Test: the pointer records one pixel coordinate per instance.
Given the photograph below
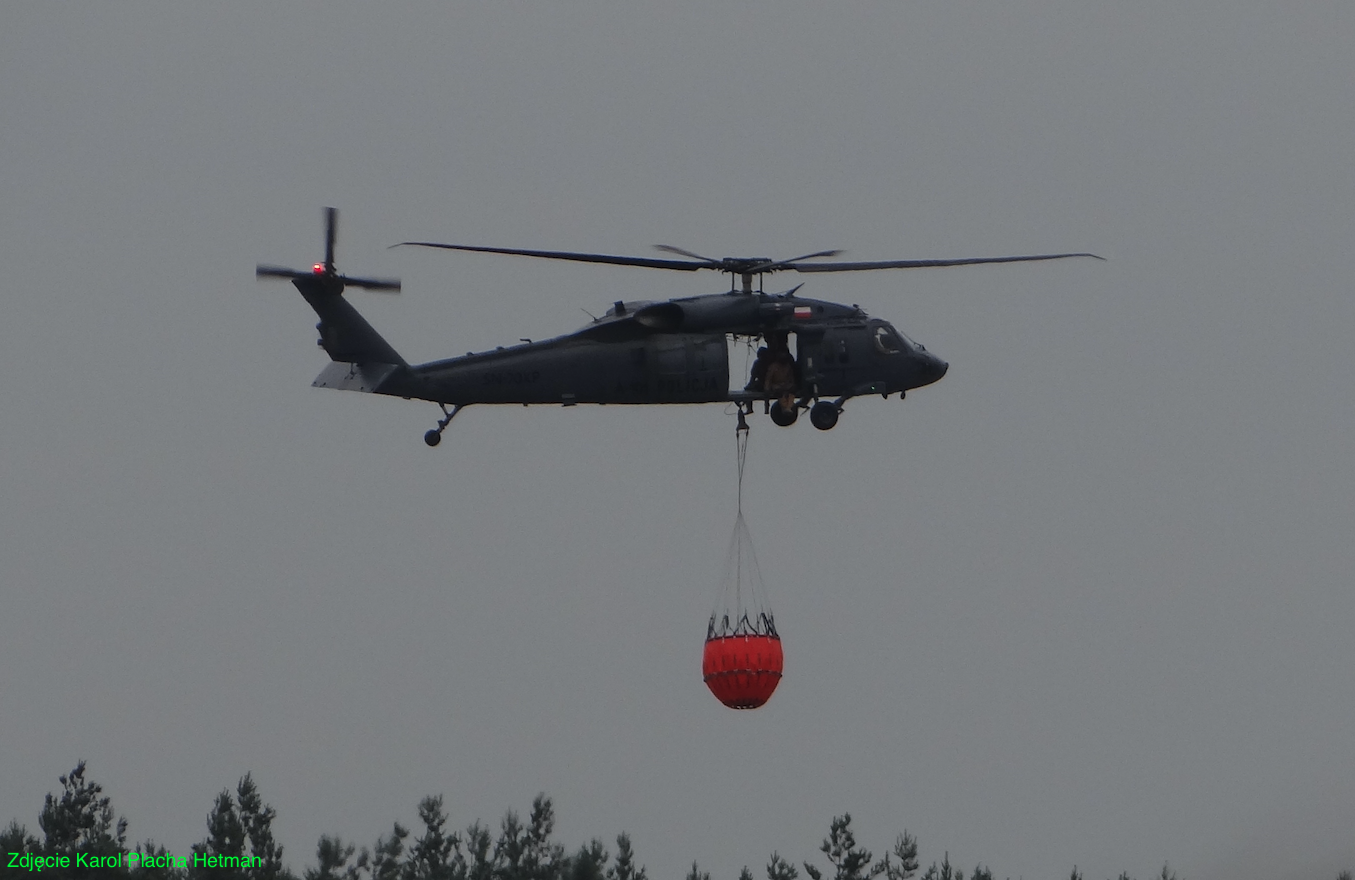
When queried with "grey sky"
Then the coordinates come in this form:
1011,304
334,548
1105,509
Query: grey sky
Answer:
1088,600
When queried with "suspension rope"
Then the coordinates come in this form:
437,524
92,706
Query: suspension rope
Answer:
741,606
741,440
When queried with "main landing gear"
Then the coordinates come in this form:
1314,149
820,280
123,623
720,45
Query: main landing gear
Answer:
434,437
781,416
822,415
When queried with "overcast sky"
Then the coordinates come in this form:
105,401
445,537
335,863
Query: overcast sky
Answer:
1088,600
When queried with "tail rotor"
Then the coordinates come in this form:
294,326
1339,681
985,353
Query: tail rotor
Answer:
324,275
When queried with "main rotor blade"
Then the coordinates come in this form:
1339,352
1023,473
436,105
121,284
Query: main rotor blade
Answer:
668,248
785,264
331,232
920,264
643,262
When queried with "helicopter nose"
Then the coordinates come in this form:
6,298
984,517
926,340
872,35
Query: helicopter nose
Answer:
933,368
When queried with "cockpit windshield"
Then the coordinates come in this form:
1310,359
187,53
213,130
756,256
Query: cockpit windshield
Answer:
887,339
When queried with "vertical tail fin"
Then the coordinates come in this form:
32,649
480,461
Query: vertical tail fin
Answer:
344,334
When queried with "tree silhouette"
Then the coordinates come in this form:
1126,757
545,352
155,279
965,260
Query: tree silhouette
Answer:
257,819
526,852
589,863
149,863
849,862
477,863
431,856
332,856
624,869
16,838
945,872
779,869
230,826
697,874
80,821
385,863
905,850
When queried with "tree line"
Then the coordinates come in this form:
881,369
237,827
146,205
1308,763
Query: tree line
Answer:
82,837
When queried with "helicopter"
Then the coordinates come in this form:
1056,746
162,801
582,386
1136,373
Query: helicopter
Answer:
643,352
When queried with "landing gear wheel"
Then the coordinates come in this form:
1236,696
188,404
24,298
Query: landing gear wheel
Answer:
783,417
434,437
823,415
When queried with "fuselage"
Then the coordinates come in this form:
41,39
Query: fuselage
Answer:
677,352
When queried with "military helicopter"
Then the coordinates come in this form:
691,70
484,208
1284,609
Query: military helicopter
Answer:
672,352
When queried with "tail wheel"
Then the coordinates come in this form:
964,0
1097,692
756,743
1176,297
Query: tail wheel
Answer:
434,437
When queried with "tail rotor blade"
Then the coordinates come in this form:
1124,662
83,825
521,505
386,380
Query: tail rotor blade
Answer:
380,285
322,276
277,272
331,232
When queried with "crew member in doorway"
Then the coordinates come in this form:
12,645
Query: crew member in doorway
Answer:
757,379
782,374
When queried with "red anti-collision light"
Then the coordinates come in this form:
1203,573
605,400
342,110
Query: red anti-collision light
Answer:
318,268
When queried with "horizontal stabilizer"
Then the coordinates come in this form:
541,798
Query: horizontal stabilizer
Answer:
354,377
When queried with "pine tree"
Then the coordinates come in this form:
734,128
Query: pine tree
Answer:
526,853
16,839
543,858
230,828
624,868
81,821
257,819
430,858
332,856
511,849
946,872
383,863
849,862
142,871
779,869
905,850
589,863
477,861
225,837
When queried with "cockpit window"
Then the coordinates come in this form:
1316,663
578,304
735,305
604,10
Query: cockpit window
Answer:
887,339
